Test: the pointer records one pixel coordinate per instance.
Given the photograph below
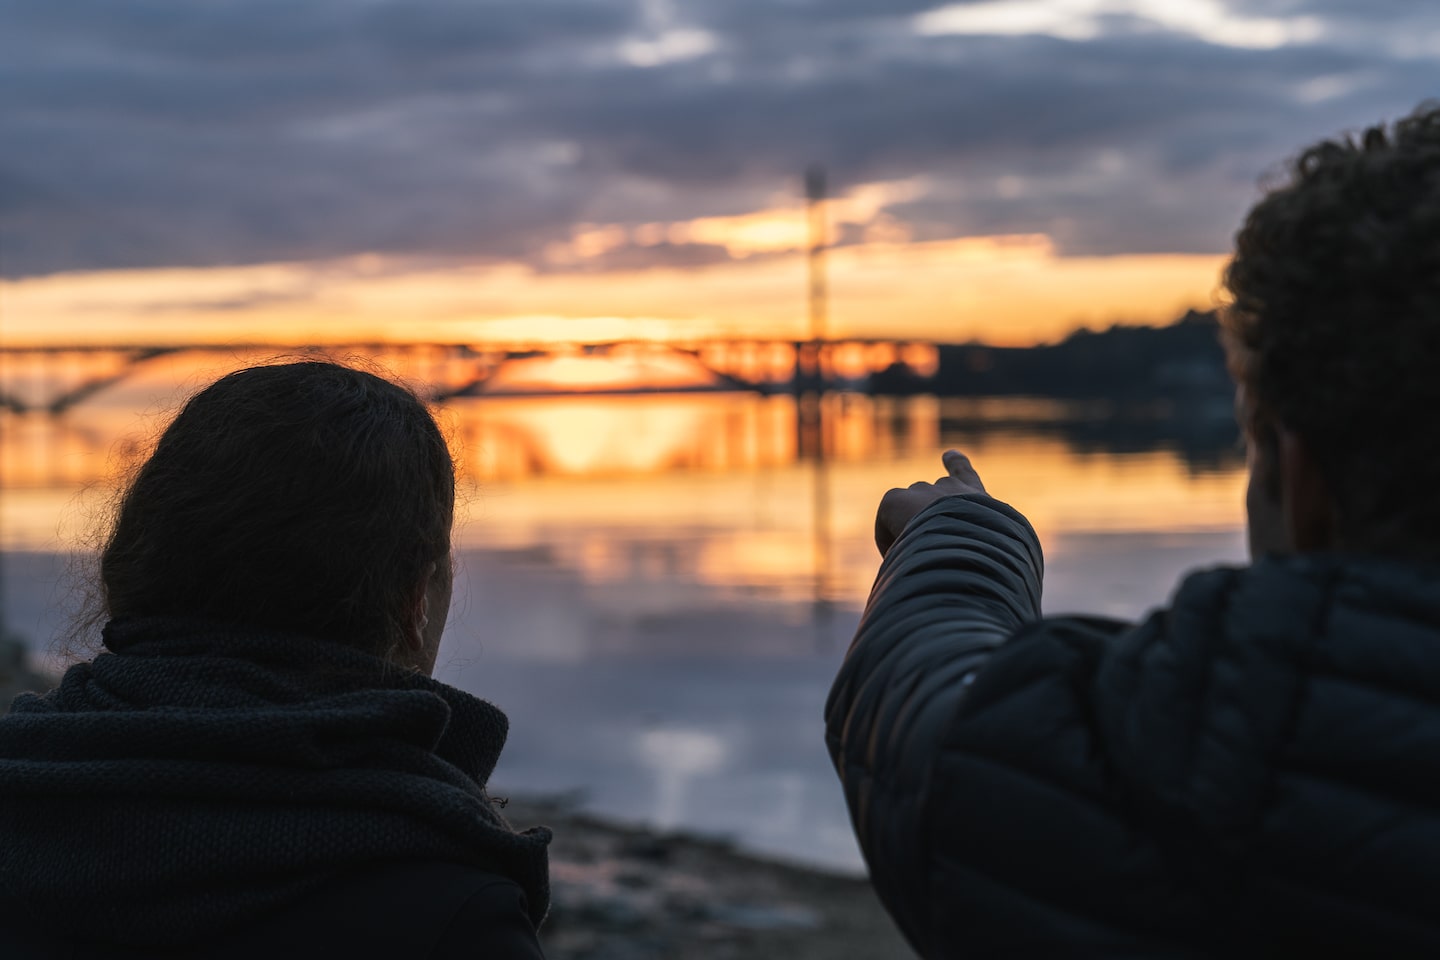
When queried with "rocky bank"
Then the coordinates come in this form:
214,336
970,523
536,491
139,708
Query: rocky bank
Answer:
628,893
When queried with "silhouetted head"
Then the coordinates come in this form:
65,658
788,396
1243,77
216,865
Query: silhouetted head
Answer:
1334,338
308,497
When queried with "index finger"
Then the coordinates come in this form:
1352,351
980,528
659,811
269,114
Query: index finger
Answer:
957,464
959,468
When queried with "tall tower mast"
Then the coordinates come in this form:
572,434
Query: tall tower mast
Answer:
811,403
819,237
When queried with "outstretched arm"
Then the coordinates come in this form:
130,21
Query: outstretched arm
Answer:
962,573
964,728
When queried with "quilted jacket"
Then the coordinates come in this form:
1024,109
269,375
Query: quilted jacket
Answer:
1253,770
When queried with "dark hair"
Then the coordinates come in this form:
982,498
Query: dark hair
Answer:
1334,325
309,497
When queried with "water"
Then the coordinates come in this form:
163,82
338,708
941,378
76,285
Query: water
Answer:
658,589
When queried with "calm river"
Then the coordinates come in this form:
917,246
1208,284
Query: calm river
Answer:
658,588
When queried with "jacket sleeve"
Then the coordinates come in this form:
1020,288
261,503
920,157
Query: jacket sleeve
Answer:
982,798
963,576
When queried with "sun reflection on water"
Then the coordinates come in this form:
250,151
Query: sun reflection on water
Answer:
716,489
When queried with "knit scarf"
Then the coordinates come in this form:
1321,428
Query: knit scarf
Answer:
198,775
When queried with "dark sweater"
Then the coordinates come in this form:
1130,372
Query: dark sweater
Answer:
215,791
422,909
1252,771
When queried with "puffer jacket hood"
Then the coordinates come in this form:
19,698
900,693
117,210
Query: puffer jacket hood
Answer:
197,775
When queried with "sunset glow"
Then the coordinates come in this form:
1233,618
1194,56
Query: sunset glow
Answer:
1005,290
621,370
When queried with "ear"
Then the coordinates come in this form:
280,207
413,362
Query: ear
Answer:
419,611
1311,516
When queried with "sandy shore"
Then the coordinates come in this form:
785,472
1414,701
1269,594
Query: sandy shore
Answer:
627,893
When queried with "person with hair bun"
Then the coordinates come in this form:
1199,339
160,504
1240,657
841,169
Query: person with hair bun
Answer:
259,762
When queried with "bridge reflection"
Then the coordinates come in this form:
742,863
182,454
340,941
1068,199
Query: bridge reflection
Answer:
740,481
719,497
499,439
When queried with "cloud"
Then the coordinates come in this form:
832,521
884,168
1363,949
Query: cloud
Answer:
1209,20
146,133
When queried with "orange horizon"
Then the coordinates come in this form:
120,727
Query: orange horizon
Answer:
105,308
1006,290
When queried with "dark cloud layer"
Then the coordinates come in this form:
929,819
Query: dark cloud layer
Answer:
168,132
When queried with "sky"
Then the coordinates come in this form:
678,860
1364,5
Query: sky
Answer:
545,169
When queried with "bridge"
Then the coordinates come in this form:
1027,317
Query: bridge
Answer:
50,379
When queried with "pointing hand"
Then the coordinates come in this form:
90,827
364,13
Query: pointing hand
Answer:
900,505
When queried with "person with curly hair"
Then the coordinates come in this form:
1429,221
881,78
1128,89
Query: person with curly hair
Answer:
258,762
1254,769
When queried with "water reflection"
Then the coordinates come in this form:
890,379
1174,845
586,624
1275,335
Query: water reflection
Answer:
676,757
657,589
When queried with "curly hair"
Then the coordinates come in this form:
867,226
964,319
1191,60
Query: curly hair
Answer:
1333,328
